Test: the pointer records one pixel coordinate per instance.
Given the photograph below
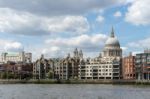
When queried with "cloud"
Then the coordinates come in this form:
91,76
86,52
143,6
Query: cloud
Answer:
145,43
124,48
79,41
70,24
88,43
117,14
12,46
38,17
52,51
59,7
138,12
136,46
136,52
24,23
139,46
100,19
15,22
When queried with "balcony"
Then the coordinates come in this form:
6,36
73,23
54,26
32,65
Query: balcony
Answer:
115,70
116,66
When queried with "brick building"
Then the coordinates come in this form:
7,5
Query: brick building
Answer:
129,67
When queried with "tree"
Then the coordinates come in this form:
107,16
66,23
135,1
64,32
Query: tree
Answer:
3,75
50,74
10,75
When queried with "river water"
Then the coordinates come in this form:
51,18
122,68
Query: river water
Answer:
73,91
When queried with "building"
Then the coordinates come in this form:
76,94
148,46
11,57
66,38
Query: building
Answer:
129,67
106,66
67,68
16,57
43,68
142,65
12,70
28,57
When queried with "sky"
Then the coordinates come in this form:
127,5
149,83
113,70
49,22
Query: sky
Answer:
56,27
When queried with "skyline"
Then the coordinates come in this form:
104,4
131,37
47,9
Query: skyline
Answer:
55,28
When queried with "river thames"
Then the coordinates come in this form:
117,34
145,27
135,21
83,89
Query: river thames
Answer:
73,91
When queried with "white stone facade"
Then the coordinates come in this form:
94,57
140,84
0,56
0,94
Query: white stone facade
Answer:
100,68
16,57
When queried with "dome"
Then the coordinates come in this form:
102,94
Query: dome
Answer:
112,40
112,47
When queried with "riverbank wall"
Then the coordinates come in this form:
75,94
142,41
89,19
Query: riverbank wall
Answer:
47,81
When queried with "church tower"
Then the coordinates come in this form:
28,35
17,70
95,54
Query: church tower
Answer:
80,54
76,53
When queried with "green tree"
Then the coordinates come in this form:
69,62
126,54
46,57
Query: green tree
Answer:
10,75
3,75
50,74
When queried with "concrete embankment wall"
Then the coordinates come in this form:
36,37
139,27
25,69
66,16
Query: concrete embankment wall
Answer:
45,81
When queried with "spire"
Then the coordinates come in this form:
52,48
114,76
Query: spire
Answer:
80,54
42,56
76,52
76,49
112,33
68,55
80,51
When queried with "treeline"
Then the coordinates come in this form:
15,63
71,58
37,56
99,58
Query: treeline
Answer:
12,75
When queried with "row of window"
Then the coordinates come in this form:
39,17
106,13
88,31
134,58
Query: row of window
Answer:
100,74
99,66
104,70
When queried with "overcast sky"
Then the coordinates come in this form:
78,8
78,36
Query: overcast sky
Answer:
57,27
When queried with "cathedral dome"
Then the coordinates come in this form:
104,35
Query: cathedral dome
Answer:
112,47
112,41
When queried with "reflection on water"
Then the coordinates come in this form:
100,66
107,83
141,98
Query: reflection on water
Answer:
53,91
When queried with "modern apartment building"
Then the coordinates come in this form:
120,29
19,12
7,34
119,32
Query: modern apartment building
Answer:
142,65
42,67
67,68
